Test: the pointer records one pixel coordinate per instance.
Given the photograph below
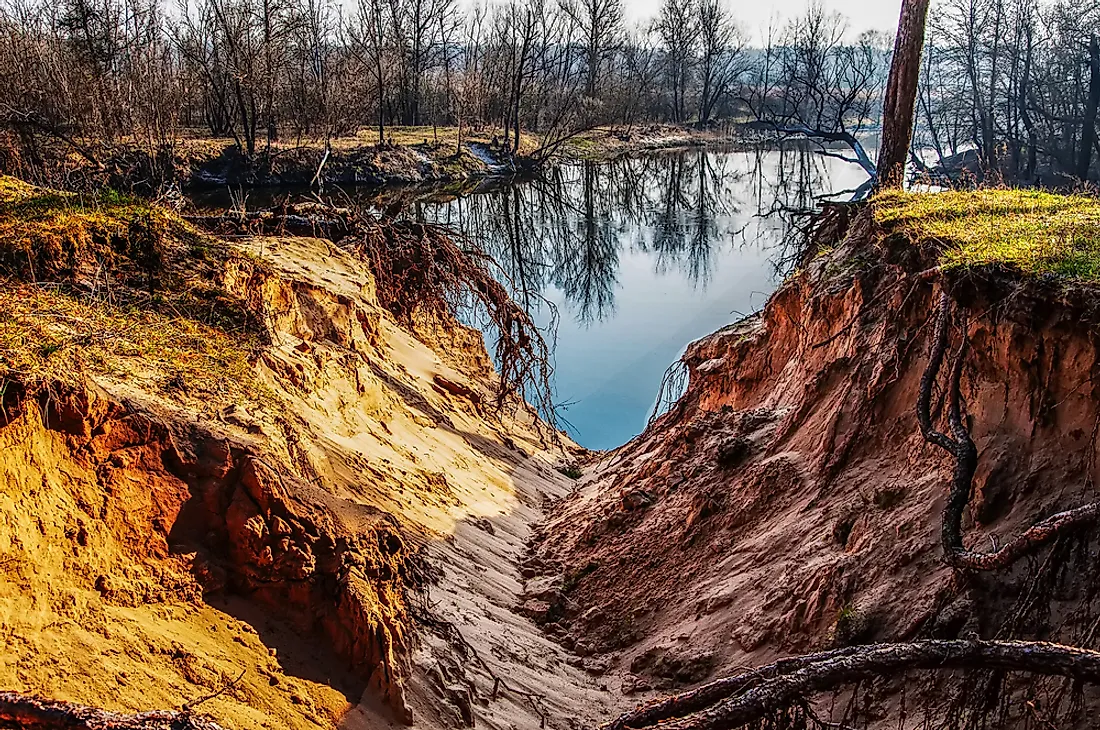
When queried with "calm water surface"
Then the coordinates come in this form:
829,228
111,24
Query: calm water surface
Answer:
633,259
639,257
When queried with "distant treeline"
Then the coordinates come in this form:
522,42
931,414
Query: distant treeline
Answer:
1016,82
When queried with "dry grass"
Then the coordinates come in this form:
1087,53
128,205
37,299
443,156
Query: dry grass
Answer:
49,336
46,234
443,138
113,286
1034,232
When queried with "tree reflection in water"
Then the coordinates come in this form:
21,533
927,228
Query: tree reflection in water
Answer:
641,255
569,228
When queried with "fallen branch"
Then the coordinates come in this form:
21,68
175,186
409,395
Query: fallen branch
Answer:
714,692
189,706
836,137
320,167
962,448
31,713
753,695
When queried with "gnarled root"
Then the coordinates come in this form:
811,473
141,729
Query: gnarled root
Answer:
424,270
962,448
21,711
751,696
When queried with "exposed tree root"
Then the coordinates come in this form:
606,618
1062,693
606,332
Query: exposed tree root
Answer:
709,694
752,696
962,448
21,711
422,271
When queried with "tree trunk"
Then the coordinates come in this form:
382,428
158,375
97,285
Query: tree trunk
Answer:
901,94
1088,130
1025,115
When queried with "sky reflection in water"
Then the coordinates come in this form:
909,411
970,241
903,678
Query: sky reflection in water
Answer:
641,256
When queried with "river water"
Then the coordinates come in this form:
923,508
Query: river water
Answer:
640,256
633,258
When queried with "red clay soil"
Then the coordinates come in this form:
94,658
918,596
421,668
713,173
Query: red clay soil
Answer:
788,501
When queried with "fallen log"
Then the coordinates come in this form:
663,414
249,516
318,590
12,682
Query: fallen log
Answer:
701,698
21,711
753,695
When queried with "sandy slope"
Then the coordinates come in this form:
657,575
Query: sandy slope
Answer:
120,589
471,487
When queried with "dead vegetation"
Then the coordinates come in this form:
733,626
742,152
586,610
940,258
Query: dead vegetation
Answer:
759,694
121,288
30,713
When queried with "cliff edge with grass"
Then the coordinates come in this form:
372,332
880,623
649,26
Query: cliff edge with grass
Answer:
788,503
254,480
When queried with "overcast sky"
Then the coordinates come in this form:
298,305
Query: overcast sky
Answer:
754,15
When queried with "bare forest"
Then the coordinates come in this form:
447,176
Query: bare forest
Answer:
1008,87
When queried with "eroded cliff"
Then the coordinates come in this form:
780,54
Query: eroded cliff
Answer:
297,515
788,502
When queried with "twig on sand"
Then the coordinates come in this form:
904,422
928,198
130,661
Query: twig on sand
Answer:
188,706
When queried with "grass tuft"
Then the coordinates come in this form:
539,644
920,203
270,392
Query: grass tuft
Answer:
571,470
1036,232
48,336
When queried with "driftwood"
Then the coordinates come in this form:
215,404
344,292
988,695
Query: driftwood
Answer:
961,447
753,695
20,711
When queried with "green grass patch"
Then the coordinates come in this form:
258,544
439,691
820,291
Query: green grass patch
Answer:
1035,232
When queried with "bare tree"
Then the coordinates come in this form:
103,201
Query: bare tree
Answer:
810,82
1012,79
723,60
597,26
679,34
368,40
1088,122
421,31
